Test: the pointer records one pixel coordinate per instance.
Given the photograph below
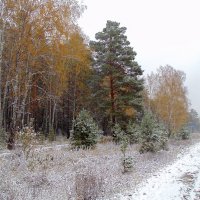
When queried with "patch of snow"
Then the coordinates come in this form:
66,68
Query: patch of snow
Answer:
168,184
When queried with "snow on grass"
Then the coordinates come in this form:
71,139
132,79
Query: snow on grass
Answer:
54,171
175,182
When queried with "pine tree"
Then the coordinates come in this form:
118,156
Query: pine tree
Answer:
85,131
117,85
193,121
153,136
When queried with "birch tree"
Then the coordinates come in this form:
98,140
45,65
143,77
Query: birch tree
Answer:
168,99
37,48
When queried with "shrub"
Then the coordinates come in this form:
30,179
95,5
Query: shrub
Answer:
134,133
41,138
127,162
120,137
118,134
105,139
154,137
27,137
88,186
85,131
183,134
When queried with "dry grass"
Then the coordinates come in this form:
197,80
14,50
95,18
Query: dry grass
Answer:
88,186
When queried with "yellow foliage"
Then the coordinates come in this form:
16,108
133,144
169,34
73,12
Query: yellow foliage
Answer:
130,112
43,41
167,97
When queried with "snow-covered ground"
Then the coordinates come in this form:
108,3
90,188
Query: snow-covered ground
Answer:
178,181
54,171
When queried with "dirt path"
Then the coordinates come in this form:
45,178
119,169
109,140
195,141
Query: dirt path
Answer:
179,181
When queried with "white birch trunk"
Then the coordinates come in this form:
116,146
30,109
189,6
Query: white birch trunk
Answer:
2,26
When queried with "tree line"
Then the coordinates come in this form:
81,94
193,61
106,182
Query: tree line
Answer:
44,64
49,72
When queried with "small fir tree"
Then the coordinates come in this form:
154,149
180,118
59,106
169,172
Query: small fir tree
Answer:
118,134
183,133
134,132
127,161
85,131
120,137
153,137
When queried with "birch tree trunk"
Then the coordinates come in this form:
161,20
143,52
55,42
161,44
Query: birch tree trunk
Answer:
2,26
27,88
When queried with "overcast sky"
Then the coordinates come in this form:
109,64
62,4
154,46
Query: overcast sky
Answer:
160,31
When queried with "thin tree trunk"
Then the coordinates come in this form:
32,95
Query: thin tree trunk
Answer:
15,88
53,114
27,87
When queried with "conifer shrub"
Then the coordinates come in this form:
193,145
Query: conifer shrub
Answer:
85,131
134,133
127,161
183,134
163,137
118,134
153,136
121,138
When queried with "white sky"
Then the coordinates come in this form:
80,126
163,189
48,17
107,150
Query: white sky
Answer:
160,31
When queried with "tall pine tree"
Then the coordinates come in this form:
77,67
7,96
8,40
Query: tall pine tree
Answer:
117,83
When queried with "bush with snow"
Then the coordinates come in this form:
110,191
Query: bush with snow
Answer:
123,139
103,139
127,161
183,134
118,134
134,132
85,131
153,136
26,138
88,186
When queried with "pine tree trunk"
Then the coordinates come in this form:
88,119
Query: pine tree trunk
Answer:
112,96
